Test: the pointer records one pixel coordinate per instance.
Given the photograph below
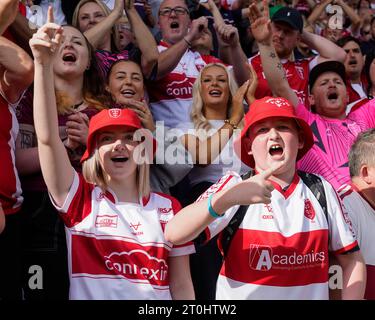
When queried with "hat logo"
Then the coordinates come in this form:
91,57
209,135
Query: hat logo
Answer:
288,14
115,113
278,102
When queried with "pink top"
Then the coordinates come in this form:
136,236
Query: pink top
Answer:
333,139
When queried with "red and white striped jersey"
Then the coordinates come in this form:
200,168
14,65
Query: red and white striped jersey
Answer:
10,186
362,216
117,250
280,250
296,72
171,96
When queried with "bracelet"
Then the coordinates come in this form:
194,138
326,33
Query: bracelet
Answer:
211,210
187,42
230,123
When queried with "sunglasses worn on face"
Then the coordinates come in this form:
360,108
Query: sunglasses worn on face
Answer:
178,11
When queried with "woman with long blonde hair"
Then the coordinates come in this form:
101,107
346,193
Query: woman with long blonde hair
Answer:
217,113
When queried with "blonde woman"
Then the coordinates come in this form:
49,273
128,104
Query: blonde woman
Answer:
114,224
217,112
99,25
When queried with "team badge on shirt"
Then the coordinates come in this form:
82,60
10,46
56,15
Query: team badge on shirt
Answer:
309,210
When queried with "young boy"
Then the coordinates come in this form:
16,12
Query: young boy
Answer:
359,199
280,250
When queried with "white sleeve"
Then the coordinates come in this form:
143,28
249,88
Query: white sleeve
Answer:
351,209
69,198
342,236
226,182
313,62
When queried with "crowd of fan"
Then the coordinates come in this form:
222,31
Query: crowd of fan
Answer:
195,75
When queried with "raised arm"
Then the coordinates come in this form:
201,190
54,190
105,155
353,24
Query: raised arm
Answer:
16,66
16,70
145,40
54,161
272,66
168,59
96,33
224,48
228,35
317,11
353,16
204,151
326,48
193,219
21,30
8,12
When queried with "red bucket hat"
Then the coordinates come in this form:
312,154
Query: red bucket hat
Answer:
114,117
264,108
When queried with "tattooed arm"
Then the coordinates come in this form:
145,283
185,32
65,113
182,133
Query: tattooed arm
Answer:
272,67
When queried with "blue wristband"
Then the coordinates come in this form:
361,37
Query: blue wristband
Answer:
211,210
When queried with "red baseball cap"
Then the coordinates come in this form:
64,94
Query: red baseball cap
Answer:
269,107
114,117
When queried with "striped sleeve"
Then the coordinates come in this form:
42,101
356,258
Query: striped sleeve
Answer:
227,181
342,236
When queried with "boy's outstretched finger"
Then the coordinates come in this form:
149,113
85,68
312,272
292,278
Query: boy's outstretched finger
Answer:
270,171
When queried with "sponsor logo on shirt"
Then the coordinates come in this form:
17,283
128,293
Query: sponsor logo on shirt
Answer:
262,258
138,265
106,221
164,210
135,227
180,89
100,196
267,216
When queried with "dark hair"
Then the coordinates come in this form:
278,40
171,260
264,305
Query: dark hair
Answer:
366,68
359,4
93,83
117,62
344,40
108,96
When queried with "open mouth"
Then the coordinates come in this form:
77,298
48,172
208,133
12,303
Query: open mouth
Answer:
128,93
69,57
352,62
332,97
215,93
276,150
174,25
119,159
